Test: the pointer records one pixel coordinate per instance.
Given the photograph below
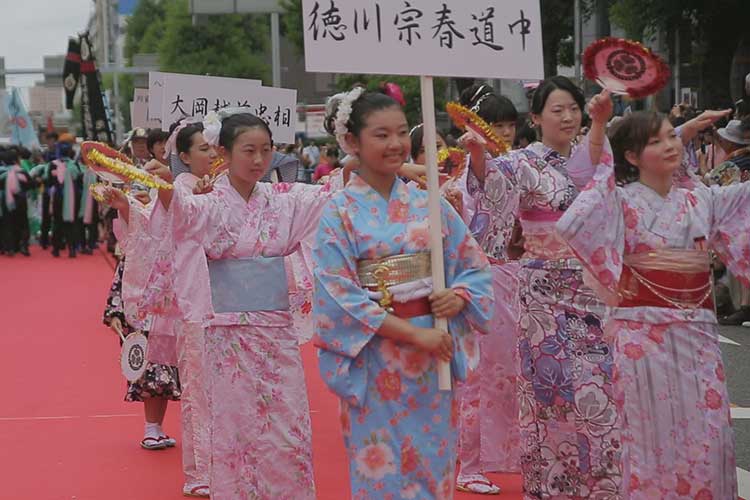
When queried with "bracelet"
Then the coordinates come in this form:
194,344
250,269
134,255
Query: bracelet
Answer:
592,143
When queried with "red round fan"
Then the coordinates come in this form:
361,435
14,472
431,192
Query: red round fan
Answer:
101,170
625,67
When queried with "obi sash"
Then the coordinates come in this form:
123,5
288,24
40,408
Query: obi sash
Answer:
670,278
248,285
400,283
541,240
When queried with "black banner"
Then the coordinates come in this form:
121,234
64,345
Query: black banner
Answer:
96,125
72,71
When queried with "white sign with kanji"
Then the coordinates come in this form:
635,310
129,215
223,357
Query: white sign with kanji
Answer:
195,96
156,81
463,38
139,115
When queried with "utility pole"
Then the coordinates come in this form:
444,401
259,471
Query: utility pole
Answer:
577,39
677,65
275,49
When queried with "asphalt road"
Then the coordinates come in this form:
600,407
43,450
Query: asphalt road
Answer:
737,361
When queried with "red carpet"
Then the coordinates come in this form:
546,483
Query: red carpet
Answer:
65,432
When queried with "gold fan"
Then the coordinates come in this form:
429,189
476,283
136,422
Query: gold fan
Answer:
464,118
113,166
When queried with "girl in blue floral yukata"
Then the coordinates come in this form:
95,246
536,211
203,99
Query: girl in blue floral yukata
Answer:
374,308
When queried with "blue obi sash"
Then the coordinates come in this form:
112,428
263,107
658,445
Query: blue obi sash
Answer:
248,285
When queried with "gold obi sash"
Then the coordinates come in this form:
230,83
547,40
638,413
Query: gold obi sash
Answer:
378,275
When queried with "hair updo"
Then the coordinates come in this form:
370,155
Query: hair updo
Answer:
234,125
362,107
184,139
545,89
490,107
631,134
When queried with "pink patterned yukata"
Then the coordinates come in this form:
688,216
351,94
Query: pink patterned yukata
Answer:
670,384
177,341
570,435
489,436
260,418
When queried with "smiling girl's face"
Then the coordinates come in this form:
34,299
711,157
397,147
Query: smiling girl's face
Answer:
383,144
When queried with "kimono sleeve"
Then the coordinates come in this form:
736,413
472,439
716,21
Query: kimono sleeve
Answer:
594,228
729,233
580,168
149,238
307,205
467,272
203,216
346,319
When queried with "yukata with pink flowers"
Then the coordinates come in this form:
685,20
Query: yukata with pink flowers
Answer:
569,428
489,435
179,334
260,418
400,430
649,255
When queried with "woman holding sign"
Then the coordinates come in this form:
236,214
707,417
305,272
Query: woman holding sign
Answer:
373,310
570,429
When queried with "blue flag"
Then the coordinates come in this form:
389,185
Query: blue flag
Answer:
22,128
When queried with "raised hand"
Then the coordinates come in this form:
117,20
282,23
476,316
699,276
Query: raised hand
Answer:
158,169
600,107
115,198
203,186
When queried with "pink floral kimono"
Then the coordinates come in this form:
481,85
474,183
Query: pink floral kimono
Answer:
489,432
569,428
260,418
648,254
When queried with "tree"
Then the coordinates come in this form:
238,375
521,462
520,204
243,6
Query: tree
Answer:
229,45
292,24
144,29
715,28
557,25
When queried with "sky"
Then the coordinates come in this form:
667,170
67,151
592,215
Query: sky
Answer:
32,29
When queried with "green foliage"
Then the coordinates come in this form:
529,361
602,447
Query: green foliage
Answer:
144,29
711,33
292,24
228,45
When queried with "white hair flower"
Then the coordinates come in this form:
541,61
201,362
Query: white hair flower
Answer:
212,128
343,113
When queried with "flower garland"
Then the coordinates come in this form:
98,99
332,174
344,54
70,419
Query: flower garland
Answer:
465,118
636,49
343,113
452,161
95,158
96,191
